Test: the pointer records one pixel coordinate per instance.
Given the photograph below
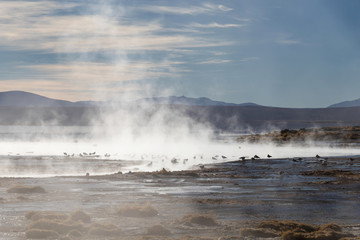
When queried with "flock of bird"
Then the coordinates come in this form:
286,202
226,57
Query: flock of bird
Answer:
321,160
84,154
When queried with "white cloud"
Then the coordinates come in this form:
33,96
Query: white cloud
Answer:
34,28
71,90
205,8
224,8
215,61
33,25
104,73
83,80
216,25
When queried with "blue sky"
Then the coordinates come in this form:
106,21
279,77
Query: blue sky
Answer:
279,53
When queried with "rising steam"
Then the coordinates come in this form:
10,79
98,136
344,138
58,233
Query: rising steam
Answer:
126,135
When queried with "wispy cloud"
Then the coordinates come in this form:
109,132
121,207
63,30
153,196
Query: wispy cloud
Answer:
70,90
224,8
57,27
216,25
82,80
33,28
104,73
205,8
215,61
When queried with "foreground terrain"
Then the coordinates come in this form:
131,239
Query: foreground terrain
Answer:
300,198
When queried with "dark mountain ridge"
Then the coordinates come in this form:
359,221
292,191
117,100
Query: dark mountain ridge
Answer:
353,103
182,100
37,110
26,99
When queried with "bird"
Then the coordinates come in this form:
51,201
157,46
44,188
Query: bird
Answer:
317,156
323,162
202,166
252,158
214,158
351,159
223,156
174,161
149,164
242,158
65,154
256,156
185,160
269,156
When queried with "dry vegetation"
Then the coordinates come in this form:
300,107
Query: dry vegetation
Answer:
80,216
340,175
79,225
202,220
76,225
291,230
158,230
139,211
342,135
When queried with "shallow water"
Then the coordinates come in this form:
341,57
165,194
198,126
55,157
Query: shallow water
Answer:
232,191
252,190
43,151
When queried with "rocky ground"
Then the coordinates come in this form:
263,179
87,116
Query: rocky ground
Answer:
300,198
339,136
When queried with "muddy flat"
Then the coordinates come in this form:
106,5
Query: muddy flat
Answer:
213,201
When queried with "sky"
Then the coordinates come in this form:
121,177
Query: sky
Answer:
283,53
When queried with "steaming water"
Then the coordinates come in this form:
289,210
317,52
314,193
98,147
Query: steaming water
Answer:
39,152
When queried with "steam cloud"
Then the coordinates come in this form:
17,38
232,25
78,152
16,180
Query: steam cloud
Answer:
149,136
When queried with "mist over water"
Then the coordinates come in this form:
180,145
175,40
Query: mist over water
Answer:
140,137
36,151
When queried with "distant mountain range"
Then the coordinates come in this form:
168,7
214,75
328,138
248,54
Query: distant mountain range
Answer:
202,101
23,108
354,103
26,99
